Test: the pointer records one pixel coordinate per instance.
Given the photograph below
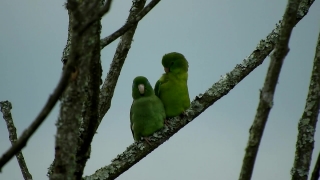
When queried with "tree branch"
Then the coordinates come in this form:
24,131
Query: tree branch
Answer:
138,150
5,108
83,43
90,112
316,170
22,141
107,90
269,87
130,23
307,123
64,80
135,152
97,16
70,117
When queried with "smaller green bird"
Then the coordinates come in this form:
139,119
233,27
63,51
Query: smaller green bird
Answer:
147,112
172,87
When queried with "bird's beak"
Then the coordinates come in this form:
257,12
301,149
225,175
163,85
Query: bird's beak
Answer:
166,70
141,88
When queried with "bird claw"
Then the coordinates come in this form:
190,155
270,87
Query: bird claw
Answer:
147,140
184,113
166,122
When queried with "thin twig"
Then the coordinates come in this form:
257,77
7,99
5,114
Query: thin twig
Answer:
22,141
316,170
5,108
267,92
64,80
307,123
108,87
130,23
135,152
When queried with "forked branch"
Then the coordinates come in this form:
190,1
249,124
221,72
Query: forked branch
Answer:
307,123
135,152
130,23
5,108
269,87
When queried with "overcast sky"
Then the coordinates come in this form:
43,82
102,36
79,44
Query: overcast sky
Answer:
213,35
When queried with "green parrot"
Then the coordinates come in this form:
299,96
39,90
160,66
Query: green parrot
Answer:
172,87
147,112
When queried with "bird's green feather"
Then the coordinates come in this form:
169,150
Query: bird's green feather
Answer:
172,87
147,112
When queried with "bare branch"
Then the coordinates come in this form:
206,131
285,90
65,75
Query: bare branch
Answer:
307,124
64,80
97,16
130,23
139,150
64,60
135,152
22,141
90,107
77,52
90,118
107,90
5,108
83,93
316,170
269,87
68,70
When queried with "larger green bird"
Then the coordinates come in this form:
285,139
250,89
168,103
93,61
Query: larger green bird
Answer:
172,87
147,113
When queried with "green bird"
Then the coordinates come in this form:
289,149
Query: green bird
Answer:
172,87
147,113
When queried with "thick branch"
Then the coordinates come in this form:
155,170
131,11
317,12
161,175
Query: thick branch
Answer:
108,87
267,92
135,152
90,112
69,120
80,48
83,45
307,123
316,170
97,16
5,108
131,22
68,70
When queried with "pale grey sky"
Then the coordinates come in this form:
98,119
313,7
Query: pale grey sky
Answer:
213,35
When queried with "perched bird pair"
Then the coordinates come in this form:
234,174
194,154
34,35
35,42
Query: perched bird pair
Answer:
170,97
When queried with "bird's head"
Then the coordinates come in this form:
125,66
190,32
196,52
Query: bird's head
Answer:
141,87
175,62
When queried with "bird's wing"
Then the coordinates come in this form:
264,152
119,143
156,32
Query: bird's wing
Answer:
157,88
131,123
164,79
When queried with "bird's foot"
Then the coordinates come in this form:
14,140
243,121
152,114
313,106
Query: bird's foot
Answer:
184,113
147,140
166,122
